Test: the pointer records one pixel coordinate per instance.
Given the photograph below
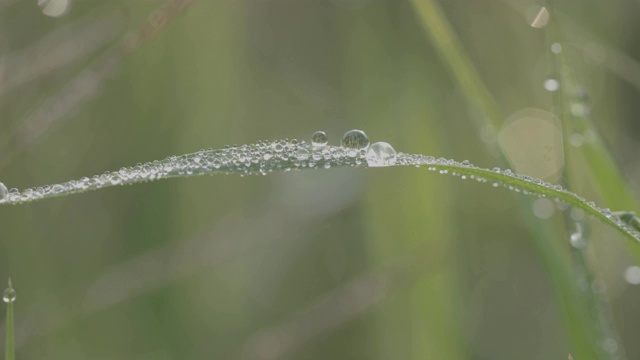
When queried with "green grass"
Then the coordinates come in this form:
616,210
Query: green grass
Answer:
9,298
287,155
345,261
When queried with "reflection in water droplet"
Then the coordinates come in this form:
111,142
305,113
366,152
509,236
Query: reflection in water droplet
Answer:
381,154
355,139
632,275
319,139
551,84
9,295
541,19
556,48
54,8
3,191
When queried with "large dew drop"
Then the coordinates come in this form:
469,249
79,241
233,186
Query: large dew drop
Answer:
9,295
381,154
355,140
319,139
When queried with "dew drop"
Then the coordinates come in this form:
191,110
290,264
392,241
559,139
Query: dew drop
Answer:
319,139
551,84
556,48
632,275
9,295
577,239
3,192
277,147
381,154
355,139
302,154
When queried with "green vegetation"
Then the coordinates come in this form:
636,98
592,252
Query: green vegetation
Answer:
345,261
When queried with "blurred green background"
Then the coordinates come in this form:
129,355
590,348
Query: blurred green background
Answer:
395,263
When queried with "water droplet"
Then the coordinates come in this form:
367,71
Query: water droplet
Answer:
381,154
319,139
277,147
355,139
576,239
556,48
302,154
9,295
632,275
3,191
551,84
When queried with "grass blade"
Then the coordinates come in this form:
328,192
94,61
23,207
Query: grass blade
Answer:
9,297
575,306
286,155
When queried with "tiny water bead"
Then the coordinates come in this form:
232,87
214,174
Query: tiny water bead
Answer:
381,154
9,295
355,140
319,139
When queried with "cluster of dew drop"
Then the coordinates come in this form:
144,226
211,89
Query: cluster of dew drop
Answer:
256,159
564,199
285,155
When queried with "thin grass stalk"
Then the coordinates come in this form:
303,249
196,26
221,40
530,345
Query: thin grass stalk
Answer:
592,290
9,298
573,307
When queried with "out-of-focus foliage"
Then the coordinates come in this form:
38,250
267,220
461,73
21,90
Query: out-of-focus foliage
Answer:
345,264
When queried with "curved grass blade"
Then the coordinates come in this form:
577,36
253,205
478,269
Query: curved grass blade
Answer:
286,155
